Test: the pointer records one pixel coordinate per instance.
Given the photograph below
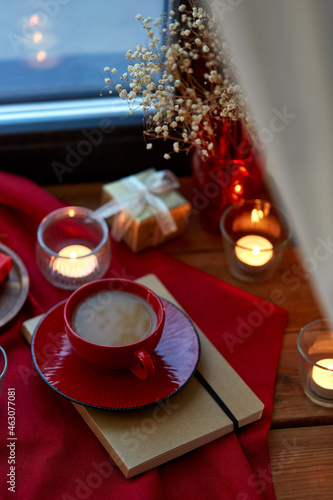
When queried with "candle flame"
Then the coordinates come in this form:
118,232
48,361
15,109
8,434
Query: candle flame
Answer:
75,261
71,213
41,56
256,250
256,215
37,38
330,367
34,19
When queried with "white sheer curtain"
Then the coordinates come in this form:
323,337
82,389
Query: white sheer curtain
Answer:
283,50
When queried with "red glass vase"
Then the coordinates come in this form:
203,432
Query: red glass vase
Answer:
229,176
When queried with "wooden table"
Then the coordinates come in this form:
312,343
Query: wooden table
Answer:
301,435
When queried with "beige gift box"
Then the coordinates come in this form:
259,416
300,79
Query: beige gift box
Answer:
144,231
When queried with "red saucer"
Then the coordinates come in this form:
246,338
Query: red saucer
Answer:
175,358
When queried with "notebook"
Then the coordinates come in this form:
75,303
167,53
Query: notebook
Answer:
212,403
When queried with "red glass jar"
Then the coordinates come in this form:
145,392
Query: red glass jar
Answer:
232,175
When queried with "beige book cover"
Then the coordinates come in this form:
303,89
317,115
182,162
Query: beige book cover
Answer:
138,440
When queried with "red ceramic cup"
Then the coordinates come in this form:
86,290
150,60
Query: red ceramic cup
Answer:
135,356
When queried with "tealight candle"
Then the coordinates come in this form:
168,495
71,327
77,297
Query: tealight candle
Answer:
73,247
322,378
315,347
254,250
255,235
74,261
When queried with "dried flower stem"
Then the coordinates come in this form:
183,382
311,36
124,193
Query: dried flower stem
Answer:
178,104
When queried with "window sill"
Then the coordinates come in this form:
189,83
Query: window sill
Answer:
65,115
79,141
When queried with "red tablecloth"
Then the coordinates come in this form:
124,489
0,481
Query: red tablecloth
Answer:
56,454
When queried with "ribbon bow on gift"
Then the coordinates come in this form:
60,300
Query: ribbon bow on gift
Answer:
141,195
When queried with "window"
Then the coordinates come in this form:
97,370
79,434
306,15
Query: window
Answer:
52,56
55,50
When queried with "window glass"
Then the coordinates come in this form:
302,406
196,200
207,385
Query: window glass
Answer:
51,49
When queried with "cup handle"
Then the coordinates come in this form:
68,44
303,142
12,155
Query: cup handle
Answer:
144,367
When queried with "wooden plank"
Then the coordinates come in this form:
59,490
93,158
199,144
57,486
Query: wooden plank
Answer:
302,463
84,194
296,297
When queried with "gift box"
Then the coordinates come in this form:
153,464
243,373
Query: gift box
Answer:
145,209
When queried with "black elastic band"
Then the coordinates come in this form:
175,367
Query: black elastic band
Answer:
217,398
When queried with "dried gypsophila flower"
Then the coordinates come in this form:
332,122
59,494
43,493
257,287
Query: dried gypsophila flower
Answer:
160,76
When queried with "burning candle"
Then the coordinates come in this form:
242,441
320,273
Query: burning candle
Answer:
323,378
74,261
255,235
254,250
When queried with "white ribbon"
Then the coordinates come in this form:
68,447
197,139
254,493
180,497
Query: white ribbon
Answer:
130,206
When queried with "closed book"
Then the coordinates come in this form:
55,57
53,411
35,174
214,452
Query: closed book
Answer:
210,405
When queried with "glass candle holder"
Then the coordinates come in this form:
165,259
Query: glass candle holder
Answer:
315,347
255,234
73,247
3,367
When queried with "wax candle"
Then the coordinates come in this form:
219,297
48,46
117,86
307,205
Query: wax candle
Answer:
324,378
74,261
254,250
